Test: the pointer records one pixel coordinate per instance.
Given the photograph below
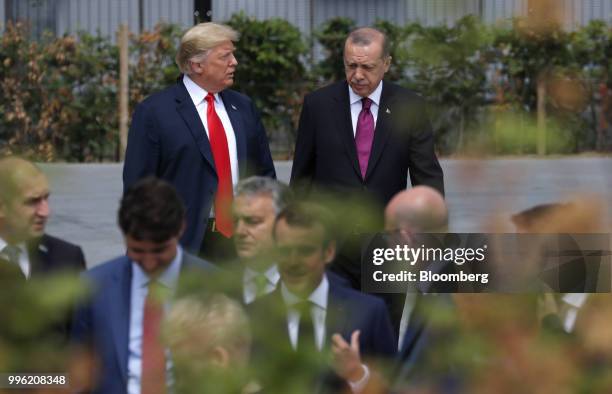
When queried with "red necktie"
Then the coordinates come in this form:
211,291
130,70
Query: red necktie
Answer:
364,135
153,376
220,151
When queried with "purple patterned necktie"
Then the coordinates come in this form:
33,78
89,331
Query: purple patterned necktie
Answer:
364,135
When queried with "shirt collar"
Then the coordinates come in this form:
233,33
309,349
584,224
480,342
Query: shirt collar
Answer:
317,297
21,246
574,299
196,92
271,274
168,278
374,96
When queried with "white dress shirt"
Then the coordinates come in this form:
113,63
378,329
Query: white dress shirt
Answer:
24,259
318,312
249,282
138,295
355,101
572,302
198,96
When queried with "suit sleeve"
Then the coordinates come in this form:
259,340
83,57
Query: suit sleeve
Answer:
303,170
422,161
265,167
385,341
80,259
81,325
142,153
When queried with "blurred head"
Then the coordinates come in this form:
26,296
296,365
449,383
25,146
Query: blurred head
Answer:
366,59
206,55
580,216
420,209
207,332
304,246
24,200
151,217
257,202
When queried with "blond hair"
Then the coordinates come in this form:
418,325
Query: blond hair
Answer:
197,41
205,323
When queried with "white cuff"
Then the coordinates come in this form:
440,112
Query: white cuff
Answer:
358,386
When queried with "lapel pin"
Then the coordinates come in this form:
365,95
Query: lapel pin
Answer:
234,107
388,111
43,248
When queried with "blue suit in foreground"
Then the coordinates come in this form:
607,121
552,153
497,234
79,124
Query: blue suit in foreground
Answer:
167,139
347,310
103,324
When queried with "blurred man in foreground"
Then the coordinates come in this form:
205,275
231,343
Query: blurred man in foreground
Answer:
309,314
210,339
120,324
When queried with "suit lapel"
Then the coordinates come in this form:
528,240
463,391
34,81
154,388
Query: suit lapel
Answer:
119,305
188,112
383,128
234,114
344,124
38,254
336,318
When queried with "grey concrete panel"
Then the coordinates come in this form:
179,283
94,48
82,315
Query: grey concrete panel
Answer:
85,197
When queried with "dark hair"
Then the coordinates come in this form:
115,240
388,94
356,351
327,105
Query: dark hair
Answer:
151,210
306,215
363,36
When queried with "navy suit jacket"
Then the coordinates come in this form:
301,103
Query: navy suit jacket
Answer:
347,310
104,322
167,139
49,254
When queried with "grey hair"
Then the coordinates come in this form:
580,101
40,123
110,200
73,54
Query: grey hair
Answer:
261,185
366,35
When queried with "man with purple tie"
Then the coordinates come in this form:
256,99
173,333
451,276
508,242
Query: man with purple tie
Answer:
362,137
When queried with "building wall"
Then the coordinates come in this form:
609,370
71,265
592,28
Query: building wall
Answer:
102,16
296,12
2,15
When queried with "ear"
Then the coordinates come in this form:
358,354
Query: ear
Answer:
387,63
182,230
220,357
197,67
329,252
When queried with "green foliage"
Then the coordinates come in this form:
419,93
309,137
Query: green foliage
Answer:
331,36
59,95
449,67
271,69
152,67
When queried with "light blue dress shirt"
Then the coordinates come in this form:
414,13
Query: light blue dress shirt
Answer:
139,290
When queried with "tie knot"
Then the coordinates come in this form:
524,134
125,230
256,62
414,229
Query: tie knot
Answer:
210,98
366,103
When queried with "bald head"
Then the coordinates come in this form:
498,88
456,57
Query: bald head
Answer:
419,209
24,193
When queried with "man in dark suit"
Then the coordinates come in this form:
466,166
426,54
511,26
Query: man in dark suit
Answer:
120,324
24,210
360,138
201,137
364,134
421,317
310,314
